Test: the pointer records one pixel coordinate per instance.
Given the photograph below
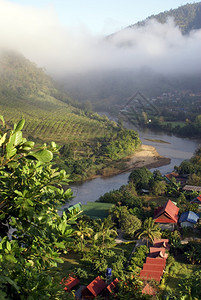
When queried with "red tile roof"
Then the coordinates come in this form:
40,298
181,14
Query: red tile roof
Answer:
70,282
151,267
149,290
157,252
150,275
170,175
112,285
167,214
161,243
156,261
196,200
199,198
96,286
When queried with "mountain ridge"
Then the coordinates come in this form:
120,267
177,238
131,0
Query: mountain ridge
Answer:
186,17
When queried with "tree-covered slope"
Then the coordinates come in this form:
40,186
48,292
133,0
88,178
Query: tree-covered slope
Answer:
89,142
25,90
187,17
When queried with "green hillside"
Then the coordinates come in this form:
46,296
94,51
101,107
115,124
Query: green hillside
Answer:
187,17
90,143
27,91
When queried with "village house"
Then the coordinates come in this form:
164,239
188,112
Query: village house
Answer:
182,179
197,200
188,219
167,216
70,282
94,289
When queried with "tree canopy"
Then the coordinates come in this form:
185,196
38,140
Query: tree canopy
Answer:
32,234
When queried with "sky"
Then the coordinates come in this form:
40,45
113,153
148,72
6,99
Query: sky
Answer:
65,36
102,16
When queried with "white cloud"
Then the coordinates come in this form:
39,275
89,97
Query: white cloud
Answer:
39,35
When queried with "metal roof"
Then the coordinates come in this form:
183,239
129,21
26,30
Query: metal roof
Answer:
189,216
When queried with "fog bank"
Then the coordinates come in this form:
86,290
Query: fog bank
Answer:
40,37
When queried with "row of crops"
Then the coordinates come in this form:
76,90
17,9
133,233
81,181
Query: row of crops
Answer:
58,122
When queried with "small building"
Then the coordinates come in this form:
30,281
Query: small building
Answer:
192,188
156,261
74,209
111,289
151,275
162,243
167,215
157,252
188,219
149,290
94,289
70,282
149,267
179,178
197,200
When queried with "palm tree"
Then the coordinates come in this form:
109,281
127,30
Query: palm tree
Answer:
150,231
83,231
105,230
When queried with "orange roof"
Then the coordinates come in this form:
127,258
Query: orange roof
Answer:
170,175
199,198
161,243
167,214
112,285
151,267
156,261
70,282
155,252
96,286
149,290
196,200
150,275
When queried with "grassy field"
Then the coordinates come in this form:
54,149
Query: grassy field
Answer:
174,124
96,209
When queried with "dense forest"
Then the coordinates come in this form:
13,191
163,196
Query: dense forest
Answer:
187,17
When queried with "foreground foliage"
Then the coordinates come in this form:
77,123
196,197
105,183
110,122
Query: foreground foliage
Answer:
32,233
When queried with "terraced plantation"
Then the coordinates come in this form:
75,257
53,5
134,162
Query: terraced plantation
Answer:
59,122
26,91
89,143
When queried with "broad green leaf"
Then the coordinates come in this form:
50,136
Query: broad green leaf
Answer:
18,138
29,144
41,155
15,139
8,246
11,152
18,193
20,125
3,138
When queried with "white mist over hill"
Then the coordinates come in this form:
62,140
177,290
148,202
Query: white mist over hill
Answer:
39,36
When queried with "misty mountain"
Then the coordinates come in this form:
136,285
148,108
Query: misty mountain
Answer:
186,17
154,56
22,79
